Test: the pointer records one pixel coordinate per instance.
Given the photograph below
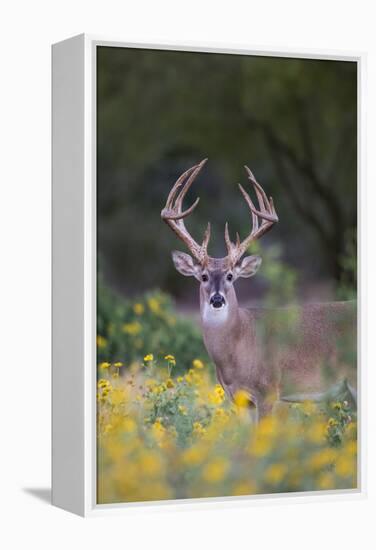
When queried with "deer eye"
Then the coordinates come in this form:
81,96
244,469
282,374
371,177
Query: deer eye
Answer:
205,278
229,277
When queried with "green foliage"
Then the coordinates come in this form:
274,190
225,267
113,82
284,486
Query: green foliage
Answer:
128,329
336,414
281,278
340,414
292,120
177,409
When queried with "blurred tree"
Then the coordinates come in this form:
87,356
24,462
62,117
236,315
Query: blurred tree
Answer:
159,112
307,114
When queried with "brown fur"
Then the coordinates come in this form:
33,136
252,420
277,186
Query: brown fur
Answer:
259,351
266,351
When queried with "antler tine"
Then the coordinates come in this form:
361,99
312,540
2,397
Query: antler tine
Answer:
261,197
266,213
173,215
228,242
176,186
252,207
188,183
231,247
181,215
264,202
272,206
206,239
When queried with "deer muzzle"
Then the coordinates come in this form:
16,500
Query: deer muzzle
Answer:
217,300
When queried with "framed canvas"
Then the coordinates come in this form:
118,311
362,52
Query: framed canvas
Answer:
205,353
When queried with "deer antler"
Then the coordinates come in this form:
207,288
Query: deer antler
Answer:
266,214
173,215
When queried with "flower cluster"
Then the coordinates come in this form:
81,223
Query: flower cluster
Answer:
129,328
164,436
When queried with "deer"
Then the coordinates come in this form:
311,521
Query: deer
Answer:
259,351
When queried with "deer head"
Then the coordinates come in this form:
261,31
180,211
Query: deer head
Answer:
216,275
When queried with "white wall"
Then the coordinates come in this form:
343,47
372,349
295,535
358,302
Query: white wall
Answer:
27,30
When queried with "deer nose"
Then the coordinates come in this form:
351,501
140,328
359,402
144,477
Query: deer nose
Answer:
217,300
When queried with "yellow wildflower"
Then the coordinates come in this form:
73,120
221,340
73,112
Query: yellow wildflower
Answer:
154,305
351,429
102,383
101,341
149,357
118,364
198,364
325,481
267,426
242,399
217,395
275,473
179,379
309,407
345,466
129,425
193,377
157,491
198,428
193,455
118,396
170,383
171,359
332,422
138,309
351,448
316,432
219,390
215,470
133,328
260,446
158,430
322,458
244,488
150,382
105,365
150,464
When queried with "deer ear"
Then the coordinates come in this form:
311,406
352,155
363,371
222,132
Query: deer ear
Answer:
248,266
184,264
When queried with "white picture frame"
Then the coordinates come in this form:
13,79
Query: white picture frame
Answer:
74,276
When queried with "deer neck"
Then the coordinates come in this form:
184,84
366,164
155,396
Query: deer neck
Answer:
221,331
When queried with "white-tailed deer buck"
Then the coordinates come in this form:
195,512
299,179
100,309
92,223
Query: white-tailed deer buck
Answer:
299,348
